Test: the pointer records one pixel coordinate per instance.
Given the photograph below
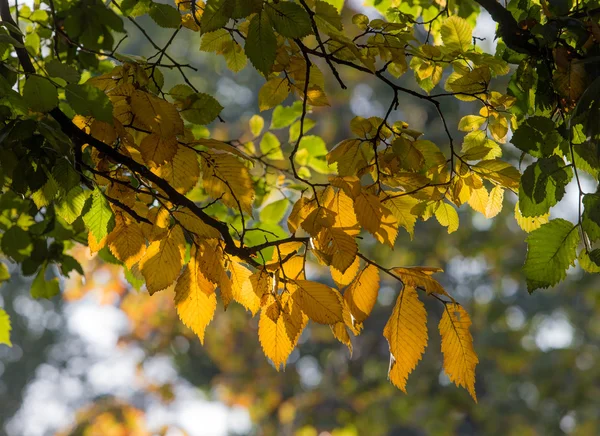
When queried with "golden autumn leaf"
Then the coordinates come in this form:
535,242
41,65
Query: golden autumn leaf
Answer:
182,171
479,199
460,359
321,303
195,298
156,150
402,208
494,206
447,216
159,115
361,295
241,287
340,332
195,225
279,328
368,211
163,260
345,218
406,333
342,280
226,177
301,209
339,245
420,277
127,243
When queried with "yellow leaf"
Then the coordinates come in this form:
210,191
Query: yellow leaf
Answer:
157,150
529,224
388,229
279,330
401,207
257,123
195,225
272,93
159,115
340,332
127,243
182,172
345,218
241,287
302,208
195,298
293,268
349,157
406,333
362,293
225,176
368,211
317,220
339,245
321,303
95,245
494,205
210,259
420,277
447,216
163,260
460,359
346,278
479,200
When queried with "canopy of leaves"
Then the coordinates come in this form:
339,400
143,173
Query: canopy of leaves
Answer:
97,151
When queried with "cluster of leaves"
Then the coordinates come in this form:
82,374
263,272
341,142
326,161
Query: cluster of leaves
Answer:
95,151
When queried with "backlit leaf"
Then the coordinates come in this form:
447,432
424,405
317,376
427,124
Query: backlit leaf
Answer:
460,359
406,333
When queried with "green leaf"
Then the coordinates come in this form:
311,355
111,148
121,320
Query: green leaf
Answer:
338,4
201,108
44,196
71,205
68,264
543,185
16,243
591,216
457,33
537,136
165,15
327,17
40,94
261,44
32,44
42,288
216,14
215,41
257,123
271,147
7,39
284,116
88,100
311,153
552,249
135,8
5,328
4,274
100,218
56,68
274,212
295,128
289,19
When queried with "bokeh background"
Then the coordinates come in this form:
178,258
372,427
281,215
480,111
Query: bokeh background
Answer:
106,359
